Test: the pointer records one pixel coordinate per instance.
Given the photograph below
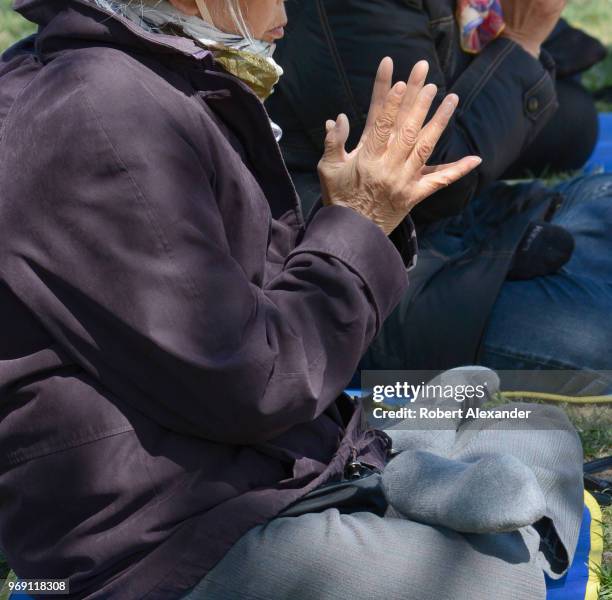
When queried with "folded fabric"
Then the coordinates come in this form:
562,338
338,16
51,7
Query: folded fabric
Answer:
492,494
438,436
486,493
480,22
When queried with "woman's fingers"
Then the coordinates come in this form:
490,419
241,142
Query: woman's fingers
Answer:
375,143
415,83
409,122
337,133
441,176
382,85
430,134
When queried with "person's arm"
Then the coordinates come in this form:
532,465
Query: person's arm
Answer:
507,97
120,249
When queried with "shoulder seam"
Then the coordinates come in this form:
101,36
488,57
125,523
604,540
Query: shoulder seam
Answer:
151,217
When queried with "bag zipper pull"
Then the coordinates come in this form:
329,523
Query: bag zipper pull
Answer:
353,468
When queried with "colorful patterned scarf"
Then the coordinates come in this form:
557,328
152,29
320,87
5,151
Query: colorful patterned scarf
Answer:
480,22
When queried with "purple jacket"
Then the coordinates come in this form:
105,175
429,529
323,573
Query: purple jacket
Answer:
175,340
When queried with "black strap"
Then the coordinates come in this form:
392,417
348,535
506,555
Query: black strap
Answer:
362,494
600,488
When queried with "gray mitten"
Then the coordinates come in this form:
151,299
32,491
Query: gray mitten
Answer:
495,493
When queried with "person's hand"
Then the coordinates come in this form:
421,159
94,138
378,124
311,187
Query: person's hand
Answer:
530,22
386,175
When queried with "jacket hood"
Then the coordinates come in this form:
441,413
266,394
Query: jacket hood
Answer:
79,21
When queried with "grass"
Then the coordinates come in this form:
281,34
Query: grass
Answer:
592,16
4,591
12,26
605,571
594,426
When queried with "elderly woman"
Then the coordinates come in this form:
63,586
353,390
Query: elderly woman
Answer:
176,339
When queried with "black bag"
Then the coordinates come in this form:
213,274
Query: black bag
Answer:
360,494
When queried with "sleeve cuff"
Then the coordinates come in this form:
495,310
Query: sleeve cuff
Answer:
541,97
362,246
505,57
404,238
507,97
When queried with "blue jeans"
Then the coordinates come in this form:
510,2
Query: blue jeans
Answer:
562,321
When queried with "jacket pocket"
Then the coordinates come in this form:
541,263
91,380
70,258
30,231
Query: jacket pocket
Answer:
54,414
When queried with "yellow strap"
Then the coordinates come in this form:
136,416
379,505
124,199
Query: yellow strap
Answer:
596,547
559,397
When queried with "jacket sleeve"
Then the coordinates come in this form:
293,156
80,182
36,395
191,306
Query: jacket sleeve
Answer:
122,252
506,95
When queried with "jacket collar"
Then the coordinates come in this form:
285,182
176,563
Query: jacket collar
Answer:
82,21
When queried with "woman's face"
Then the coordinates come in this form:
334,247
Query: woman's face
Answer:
265,19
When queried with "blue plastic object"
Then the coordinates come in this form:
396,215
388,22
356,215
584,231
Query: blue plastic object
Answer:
580,582
601,159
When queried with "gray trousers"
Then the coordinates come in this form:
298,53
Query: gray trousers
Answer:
360,556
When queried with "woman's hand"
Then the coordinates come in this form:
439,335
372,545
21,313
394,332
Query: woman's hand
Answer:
529,22
386,175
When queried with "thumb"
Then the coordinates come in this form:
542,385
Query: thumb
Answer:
335,139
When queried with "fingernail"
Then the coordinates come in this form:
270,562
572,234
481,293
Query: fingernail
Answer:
476,160
399,88
423,66
450,104
430,91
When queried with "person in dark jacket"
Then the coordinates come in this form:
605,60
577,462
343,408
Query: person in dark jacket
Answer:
514,112
176,339
475,233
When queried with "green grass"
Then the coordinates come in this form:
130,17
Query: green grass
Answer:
605,573
592,16
4,572
594,426
4,592
12,26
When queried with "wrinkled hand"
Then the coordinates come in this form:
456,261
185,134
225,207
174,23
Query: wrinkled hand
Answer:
386,175
530,22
